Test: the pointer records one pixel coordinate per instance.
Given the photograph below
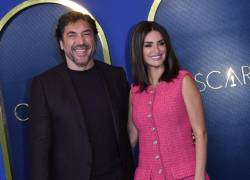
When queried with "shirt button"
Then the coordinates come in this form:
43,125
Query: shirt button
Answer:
149,102
151,91
160,171
155,142
149,115
157,157
152,129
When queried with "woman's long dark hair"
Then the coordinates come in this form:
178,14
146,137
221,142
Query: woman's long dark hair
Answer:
139,69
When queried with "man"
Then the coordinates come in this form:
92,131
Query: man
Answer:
79,112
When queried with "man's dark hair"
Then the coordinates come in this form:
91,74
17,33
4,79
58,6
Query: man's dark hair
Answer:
72,17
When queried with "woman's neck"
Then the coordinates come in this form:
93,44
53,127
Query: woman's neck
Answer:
154,75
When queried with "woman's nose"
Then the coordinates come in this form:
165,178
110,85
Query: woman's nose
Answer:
156,48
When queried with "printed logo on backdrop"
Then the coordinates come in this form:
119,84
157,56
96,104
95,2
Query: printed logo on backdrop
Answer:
219,80
31,27
215,79
212,40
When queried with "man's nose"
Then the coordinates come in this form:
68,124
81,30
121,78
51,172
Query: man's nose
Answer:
80,39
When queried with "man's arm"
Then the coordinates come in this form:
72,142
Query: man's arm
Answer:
40,133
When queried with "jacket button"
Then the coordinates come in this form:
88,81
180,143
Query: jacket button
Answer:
152,129
155,142
160,171
157,157
149,115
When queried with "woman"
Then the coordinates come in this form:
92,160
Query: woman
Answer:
165,109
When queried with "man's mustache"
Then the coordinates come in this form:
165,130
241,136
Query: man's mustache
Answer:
82,46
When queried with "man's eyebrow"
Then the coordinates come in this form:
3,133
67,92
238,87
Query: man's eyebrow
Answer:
87,30
71,32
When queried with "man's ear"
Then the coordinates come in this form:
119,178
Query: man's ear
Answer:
61,44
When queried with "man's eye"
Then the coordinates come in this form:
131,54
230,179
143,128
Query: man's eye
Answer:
86,33
71,35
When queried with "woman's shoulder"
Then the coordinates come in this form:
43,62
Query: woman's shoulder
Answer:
183,73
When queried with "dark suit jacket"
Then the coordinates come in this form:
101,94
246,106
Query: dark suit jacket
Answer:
59,141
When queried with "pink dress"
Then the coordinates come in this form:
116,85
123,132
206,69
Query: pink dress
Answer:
166,148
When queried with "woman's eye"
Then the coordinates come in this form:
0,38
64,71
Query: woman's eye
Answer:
147,45
162,43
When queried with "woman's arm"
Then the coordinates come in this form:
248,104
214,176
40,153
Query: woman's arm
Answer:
193,102
132,131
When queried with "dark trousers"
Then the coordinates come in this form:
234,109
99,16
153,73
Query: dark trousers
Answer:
115,174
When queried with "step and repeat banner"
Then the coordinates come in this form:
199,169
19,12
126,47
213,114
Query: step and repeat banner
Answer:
211,40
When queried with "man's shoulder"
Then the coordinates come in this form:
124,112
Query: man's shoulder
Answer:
50,73
108,67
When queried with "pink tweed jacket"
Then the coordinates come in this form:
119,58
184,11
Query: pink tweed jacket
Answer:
166,148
